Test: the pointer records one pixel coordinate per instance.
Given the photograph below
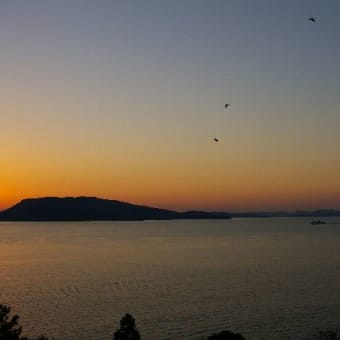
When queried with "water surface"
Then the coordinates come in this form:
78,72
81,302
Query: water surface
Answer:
273,278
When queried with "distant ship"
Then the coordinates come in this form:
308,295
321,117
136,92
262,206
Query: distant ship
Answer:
318,222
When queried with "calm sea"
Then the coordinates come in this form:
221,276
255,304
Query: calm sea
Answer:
265,278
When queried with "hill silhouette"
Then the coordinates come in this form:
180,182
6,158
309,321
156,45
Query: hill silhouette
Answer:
90,208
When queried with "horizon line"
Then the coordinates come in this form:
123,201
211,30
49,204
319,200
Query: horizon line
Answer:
295,210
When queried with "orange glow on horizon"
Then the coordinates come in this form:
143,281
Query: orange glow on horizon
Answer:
180,179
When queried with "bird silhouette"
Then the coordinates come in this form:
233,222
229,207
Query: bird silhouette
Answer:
226,106
312,19
216,140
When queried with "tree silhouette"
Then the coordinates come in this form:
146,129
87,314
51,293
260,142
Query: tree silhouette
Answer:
9,328
226,335
127,330
329,335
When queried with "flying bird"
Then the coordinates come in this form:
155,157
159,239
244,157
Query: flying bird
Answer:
312,19
226,106
216,140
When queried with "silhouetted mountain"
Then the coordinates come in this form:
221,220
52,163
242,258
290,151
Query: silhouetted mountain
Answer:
89,208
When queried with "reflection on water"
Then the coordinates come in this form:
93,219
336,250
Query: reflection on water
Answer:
264,278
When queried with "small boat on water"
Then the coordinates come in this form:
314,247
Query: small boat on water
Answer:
318,222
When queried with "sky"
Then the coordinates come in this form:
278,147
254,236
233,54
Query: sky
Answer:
121,99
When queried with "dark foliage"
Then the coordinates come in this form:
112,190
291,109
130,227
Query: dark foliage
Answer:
226,335
127,330
9,328
329,335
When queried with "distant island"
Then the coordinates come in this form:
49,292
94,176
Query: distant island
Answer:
93,209
98,209
297,213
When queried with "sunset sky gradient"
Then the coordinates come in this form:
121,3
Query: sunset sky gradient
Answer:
121,99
